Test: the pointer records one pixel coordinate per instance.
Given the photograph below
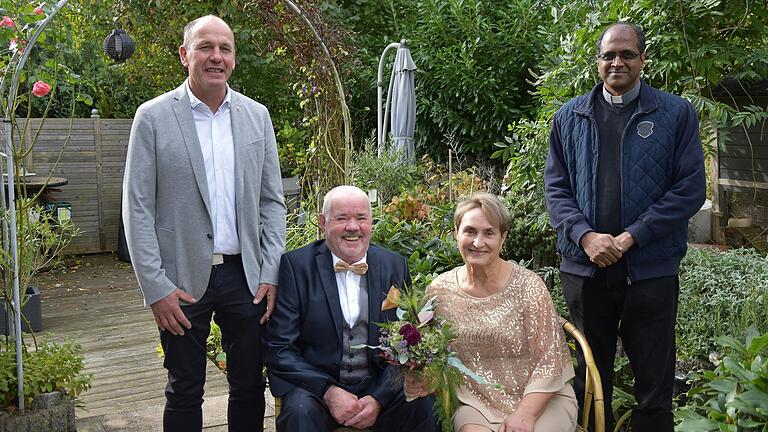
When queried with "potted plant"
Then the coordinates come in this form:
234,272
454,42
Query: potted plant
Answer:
42,238
53,379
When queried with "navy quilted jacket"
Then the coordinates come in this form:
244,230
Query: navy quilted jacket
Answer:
662,181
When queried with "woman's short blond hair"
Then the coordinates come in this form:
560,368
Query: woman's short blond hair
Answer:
493,209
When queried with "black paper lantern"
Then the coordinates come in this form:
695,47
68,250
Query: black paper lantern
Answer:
119,46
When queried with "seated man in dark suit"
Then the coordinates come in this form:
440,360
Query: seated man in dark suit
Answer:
329,300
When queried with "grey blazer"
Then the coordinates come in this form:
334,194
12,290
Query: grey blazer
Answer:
166,208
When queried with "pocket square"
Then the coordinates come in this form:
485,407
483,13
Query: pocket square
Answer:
393,296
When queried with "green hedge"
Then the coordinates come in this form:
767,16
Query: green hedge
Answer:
721,294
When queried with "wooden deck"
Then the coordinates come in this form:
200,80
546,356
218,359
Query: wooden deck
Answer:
96,303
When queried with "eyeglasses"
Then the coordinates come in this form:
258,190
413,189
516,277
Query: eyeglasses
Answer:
611,56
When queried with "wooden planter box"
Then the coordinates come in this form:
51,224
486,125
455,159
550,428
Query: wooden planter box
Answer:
50,412
32,310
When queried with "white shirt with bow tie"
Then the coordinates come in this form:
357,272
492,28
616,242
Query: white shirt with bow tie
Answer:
348,284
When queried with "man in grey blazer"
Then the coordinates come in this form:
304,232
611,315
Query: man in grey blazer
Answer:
205,223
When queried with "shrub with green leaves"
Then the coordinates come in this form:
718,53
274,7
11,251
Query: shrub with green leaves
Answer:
302,226
531,237
389,173
49,367
428,244
721,293
474,59
733,397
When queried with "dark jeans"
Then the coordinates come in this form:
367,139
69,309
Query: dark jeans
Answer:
305,412
230,302
643,315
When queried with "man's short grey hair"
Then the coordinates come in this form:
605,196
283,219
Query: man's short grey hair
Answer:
344,190
190,27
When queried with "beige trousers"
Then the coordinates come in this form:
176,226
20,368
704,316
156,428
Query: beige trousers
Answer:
559,416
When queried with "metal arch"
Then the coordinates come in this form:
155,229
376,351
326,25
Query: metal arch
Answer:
11,193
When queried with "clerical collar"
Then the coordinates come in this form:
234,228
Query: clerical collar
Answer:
622,99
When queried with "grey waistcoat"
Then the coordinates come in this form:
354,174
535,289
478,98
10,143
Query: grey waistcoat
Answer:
354,362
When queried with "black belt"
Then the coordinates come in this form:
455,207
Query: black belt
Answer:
219,259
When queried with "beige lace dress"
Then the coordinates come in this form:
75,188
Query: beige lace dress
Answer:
513,338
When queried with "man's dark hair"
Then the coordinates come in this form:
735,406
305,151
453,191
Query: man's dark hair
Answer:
636,28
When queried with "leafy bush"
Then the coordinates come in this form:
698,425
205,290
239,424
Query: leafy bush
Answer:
473,58
41,239
302,227
50,367
428,244
733,397
291,149
721,293
213,349
389,173
551,276
530,235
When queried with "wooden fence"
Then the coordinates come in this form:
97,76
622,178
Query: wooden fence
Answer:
739,172
91,156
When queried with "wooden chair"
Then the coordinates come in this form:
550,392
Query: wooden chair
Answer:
593,388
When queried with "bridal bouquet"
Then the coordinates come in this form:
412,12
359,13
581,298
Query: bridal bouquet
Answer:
419,342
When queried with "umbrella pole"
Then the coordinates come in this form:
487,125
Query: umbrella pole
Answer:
379,87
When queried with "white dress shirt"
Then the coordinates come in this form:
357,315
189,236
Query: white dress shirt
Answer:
214,131
348,284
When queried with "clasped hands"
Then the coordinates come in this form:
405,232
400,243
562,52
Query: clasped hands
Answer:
605,249
349,410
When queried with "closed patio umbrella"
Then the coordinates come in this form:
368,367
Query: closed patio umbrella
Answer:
401,97
403,119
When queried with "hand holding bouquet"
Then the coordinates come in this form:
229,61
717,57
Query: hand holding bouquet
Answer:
419,343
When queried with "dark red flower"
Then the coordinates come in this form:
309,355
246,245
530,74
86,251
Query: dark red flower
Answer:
410,334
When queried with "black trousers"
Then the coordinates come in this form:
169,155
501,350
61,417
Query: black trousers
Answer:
303,411
643,315
230,302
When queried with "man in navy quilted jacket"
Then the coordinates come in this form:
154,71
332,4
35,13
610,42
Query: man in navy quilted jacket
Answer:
624,174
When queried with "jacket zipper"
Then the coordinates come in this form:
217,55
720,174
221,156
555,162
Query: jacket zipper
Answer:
596,169
621,178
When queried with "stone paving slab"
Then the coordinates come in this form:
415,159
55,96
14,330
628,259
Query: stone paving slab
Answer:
149,419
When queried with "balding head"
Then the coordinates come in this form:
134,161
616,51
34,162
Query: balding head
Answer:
192,26
343,192
639,34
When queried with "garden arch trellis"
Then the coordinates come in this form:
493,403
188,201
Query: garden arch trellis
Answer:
333,131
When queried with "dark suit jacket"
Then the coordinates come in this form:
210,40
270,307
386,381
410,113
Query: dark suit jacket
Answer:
304,346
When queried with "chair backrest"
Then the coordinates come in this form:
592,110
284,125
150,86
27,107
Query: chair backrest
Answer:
593,388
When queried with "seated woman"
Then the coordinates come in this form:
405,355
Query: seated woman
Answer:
507,331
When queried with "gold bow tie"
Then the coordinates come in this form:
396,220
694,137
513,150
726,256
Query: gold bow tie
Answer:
359,268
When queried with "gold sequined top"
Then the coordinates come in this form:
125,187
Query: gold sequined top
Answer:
512,337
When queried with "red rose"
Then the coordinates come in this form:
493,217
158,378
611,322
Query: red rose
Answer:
41,88
7,22
410,334
39,10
